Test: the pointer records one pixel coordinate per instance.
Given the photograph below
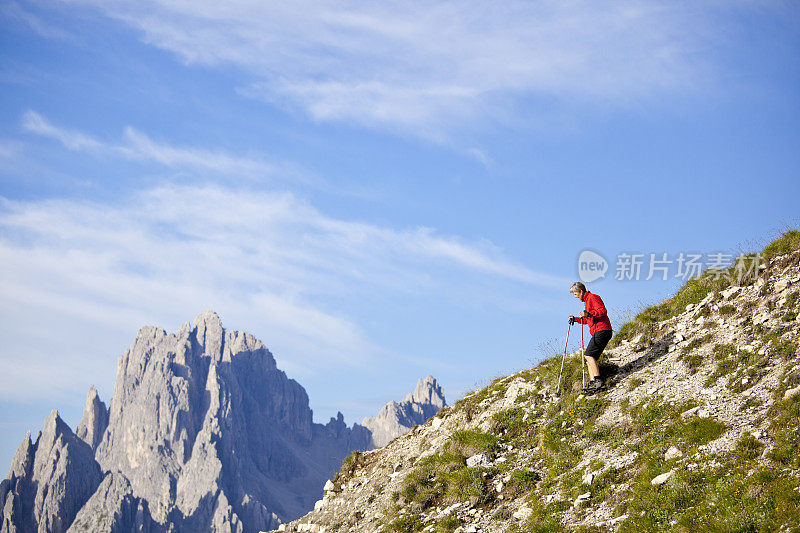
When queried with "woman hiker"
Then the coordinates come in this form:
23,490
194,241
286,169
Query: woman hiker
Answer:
596,316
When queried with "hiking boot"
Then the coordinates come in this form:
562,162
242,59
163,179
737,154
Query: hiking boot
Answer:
593,386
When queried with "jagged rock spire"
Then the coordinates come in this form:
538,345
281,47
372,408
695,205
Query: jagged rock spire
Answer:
49,481
395,419
94,421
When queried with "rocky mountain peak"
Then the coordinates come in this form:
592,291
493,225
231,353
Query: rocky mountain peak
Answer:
211,434
203,433
49,481
210,333
397,418
94,421
427,392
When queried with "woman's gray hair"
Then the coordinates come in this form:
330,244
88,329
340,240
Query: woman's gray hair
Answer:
578,285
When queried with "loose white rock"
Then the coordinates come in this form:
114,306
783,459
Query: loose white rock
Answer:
660,480
583,498
523,513
672,453
791,392
478,459
727,293
690,412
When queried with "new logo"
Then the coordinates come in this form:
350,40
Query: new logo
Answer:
591,266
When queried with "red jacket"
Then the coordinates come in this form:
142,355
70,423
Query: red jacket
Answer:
598,316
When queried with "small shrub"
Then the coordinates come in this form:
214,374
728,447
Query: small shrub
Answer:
726,310
723,351
523,481
350,464
465,483
748,448
472,441
448,525
635,382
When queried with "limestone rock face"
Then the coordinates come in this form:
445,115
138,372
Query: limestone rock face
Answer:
203,433
213,435
94,422
49,481
397,418
114,509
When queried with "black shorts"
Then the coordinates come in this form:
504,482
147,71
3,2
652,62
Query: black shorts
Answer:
598,343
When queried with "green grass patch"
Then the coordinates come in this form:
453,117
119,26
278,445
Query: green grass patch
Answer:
444,478
405,524
656,425
740,496
634,382
472,441
785,428
788,242
448,525
523,481
778,344
748,448
514,427
543,519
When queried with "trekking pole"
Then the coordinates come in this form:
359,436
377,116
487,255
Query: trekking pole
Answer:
583,361
558,389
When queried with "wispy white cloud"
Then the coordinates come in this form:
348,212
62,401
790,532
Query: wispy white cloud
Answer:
429,68
12,10
8,149
269,262
136,145
71,139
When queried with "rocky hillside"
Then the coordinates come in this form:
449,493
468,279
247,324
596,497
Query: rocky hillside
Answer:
698,430
203,433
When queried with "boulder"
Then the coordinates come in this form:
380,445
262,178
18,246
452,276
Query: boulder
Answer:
661,479
672,453
478,459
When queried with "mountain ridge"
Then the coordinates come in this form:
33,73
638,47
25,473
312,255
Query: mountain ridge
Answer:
203,432
397,418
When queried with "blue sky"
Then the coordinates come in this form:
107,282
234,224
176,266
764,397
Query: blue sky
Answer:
377,190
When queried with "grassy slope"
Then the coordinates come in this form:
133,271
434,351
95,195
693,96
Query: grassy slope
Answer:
740,491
